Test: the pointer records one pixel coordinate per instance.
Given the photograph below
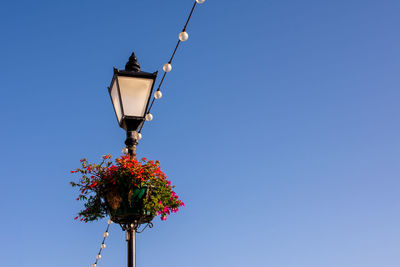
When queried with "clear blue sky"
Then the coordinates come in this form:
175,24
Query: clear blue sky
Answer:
279,126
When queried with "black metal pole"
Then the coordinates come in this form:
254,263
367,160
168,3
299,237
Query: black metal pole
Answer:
131,236
131,143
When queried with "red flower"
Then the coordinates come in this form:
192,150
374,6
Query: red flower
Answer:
127,171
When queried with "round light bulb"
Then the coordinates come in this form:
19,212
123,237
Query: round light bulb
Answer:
135,135
149,117
125,151
139,136
106,234
103,246
200,1
167,67
157,95
98,256
183,36
109,221
94,265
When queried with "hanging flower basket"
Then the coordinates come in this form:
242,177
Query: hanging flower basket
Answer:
130,208
129,191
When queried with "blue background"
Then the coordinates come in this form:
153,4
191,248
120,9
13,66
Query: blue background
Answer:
279,125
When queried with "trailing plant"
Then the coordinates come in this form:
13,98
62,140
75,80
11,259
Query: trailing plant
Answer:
104,187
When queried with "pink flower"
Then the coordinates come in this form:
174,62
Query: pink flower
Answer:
163,218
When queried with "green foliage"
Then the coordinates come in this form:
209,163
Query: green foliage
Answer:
103,187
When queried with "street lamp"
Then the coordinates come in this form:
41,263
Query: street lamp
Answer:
130,91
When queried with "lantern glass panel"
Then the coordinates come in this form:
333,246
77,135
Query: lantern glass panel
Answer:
116,101
135,93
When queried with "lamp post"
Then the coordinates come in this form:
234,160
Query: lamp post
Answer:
130,91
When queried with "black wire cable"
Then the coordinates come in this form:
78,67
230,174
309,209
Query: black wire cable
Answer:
173,54
102,243
169,62
190,15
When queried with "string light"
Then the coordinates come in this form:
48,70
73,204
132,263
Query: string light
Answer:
135,135
183,36
167,67
157,95
149,117
103,245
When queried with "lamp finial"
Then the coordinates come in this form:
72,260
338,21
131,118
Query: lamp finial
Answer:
132,64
